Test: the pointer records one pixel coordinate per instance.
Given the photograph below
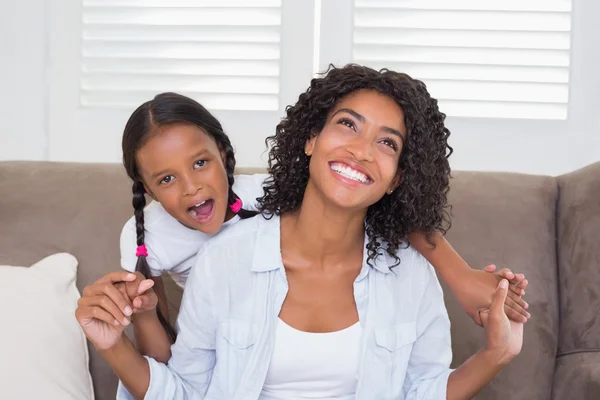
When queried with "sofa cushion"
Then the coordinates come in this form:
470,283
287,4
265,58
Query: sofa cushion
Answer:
578,222
44,351
577,377
508,220
47,208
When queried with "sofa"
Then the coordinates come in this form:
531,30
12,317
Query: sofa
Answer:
546,227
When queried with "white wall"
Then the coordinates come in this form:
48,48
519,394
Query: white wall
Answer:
545,147
22,80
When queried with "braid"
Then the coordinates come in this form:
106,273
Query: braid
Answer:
139,202
230,168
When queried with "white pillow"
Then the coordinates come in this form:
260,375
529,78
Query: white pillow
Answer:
43,351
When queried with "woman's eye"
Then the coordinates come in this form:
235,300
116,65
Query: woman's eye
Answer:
347,122
391,143
166,179
199,163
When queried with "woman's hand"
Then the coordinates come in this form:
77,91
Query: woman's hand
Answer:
103,311
478,289
504,338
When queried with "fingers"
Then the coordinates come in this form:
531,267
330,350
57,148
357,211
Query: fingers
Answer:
484,316
115,295
144,302
102,308
134,288
523,284
490,268
506,274
145,285
514,315
86,314
517,302
113,277
518,283
497,306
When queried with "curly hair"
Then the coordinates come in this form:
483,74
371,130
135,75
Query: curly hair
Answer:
420,201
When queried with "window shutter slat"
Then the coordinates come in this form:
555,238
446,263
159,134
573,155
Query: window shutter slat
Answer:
488,58
224,53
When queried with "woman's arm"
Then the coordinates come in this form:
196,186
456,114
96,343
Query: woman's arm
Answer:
473,289
504,342
428,374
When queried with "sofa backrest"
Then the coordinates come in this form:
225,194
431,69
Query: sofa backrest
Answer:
509,220
506,219
578,225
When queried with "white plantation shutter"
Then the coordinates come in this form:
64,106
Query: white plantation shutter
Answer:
244,60
223,53
480,58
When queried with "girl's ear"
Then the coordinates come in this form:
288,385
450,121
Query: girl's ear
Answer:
148,191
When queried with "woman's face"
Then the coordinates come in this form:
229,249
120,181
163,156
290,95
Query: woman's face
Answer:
354,159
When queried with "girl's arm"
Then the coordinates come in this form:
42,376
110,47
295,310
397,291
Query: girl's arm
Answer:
473,289
151,339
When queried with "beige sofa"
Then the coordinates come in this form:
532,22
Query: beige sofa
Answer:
546,227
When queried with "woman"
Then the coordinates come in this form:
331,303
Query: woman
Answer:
321,297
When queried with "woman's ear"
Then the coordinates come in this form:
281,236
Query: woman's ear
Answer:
395,182
309,146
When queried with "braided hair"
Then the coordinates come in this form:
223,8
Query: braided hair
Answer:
144,123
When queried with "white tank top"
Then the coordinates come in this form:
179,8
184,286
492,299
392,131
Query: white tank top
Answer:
309,365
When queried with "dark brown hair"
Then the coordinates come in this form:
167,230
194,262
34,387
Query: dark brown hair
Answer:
167,109
420,201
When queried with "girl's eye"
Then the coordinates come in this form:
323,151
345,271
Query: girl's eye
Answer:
391,143
199,163
166,179
347,122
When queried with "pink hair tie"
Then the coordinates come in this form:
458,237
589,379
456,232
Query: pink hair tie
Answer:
141,251
236,206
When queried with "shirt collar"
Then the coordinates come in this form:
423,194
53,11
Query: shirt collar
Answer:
267,250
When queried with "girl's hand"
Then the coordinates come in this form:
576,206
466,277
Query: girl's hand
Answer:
103,311
504,338
140,293
479,289
514,306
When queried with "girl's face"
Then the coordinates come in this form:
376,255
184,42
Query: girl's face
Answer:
354,159
182,168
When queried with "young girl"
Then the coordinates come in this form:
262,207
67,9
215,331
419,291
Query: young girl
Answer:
322,298
176,152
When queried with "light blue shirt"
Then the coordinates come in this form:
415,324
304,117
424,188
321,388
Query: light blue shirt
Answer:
231,305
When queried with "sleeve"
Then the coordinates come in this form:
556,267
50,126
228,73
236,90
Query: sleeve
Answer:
189,372
429,365
128,244
249,188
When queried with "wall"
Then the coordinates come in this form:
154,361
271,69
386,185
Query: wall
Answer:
544,147
22,80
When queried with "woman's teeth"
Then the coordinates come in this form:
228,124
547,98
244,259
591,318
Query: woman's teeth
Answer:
349,173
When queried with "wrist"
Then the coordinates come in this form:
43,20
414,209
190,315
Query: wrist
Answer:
117,346
143,316
495,357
